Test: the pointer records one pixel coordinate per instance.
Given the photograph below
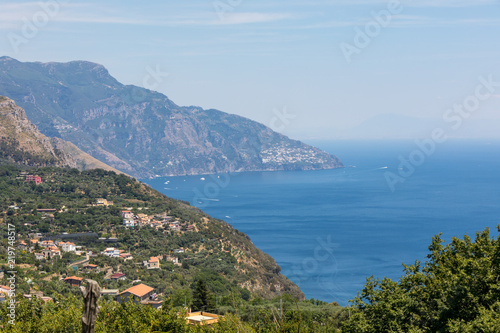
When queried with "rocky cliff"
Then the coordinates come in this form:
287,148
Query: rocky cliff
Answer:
142,132
22,143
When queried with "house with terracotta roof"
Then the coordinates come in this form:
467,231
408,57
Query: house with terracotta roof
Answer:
91,267
51,252
47,243
174,227
39,256
74,281
126,256
152,263
127,214
5,290
156,224
138,294
22,245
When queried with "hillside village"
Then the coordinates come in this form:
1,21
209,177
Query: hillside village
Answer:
50,250
128,238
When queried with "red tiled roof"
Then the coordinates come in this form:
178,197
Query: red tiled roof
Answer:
117,275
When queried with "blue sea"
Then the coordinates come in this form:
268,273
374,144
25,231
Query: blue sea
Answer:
331,229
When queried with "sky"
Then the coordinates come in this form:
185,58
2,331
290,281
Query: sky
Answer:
311,69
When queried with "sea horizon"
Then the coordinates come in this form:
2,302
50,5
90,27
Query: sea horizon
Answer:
329,230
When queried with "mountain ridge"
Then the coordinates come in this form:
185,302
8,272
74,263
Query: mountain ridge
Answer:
23,144
142,132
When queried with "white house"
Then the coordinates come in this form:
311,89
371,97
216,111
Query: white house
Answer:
127,214
67,247
128,223
111,252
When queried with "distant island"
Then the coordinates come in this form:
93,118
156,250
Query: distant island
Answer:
142,132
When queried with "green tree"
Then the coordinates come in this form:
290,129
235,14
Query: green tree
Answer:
181,297
456,290
202,298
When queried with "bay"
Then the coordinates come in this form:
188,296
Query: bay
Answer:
331,229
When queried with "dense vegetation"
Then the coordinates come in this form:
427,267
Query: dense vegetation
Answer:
214,251
456,290
36,317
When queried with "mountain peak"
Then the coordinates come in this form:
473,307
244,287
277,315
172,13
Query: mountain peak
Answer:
142,132
6,58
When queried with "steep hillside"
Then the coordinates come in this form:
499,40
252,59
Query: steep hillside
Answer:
22,143
142,132
212,250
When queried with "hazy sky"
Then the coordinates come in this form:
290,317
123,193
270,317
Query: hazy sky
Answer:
329,64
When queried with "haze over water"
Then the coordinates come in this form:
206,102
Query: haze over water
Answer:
329,230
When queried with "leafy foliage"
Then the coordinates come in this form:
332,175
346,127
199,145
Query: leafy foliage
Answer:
35,316
456,290
202,299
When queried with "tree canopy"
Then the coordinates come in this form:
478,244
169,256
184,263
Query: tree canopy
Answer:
457,289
